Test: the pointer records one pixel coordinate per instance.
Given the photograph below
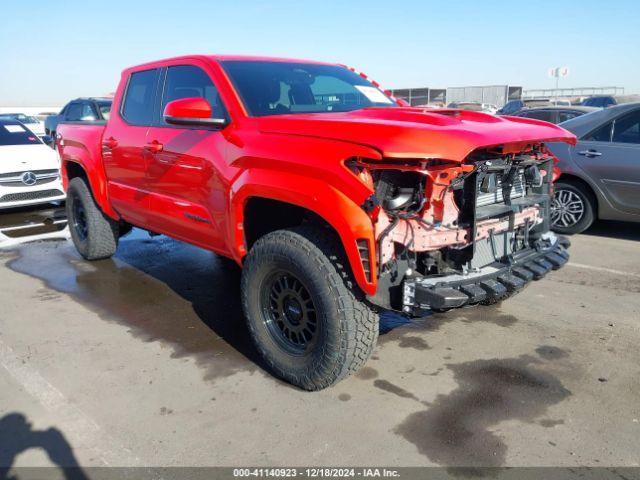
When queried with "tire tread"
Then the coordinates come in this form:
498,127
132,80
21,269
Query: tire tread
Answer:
359,323
102,231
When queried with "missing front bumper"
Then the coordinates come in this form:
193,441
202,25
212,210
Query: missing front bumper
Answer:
488,284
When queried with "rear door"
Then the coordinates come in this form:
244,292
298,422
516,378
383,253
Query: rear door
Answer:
610,155
124,153
187,198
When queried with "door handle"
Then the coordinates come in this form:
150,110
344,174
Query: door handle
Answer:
154,147
110,143
590,153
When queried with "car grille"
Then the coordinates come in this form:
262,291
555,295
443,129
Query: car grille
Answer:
517,191
26,196
14,179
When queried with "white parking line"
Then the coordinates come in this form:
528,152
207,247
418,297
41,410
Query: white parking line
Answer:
602,269
81,429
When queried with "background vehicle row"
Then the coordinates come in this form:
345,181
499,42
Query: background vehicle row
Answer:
601,173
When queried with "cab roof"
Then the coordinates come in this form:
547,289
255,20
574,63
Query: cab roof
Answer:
227,58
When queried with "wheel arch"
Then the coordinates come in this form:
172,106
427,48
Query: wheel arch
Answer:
574,179
260,199
72,168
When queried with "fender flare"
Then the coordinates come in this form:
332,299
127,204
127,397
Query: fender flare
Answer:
80,156
348,220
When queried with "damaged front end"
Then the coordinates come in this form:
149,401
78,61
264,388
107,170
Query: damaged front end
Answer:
450,234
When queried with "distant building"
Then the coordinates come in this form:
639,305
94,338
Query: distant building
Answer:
421,96
496,95
572,92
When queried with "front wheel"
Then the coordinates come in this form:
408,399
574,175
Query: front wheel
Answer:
93,233
572,208
304,313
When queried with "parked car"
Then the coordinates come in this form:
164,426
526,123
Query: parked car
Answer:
29,169
599,101
601,173
474,106
31,122
335,200
555,114
91,109
560,102
513,106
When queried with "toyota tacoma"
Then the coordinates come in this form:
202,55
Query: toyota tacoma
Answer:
336,199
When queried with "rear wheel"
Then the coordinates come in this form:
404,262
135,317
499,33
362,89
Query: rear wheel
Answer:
305,315
93,233
572,208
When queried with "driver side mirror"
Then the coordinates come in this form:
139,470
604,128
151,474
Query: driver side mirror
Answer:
191,111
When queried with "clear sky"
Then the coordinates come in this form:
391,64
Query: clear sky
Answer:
51,51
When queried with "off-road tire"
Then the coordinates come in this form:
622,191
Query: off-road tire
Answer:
101,238
589,202
347,326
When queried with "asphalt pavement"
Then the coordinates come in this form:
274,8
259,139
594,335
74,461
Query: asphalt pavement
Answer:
144,360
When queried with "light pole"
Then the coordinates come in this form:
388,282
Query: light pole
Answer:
557,72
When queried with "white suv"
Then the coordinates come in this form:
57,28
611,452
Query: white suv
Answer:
29,176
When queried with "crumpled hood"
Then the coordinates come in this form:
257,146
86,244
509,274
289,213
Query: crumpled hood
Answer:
417,132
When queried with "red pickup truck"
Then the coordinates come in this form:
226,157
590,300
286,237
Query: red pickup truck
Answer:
335,198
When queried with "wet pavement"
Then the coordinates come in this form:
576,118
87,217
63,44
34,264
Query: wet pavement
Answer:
144,360
21,224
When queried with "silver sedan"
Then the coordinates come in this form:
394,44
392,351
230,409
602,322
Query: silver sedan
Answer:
601,174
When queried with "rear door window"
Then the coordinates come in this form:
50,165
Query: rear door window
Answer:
74,112
88,113
601,134
139,97
545,115
105,108
567,115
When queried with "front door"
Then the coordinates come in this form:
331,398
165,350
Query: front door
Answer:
611,157
123,146
186,191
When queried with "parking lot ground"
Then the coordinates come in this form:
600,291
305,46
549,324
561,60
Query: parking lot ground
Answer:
144,360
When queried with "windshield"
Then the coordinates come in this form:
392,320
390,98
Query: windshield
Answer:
276,88
15,134
19,117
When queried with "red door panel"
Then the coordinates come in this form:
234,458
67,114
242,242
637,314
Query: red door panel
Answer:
125,166
186,198
123,145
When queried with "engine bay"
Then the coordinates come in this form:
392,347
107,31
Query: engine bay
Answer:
436,218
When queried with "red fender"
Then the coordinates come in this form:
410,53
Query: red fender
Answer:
347,219
86,151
